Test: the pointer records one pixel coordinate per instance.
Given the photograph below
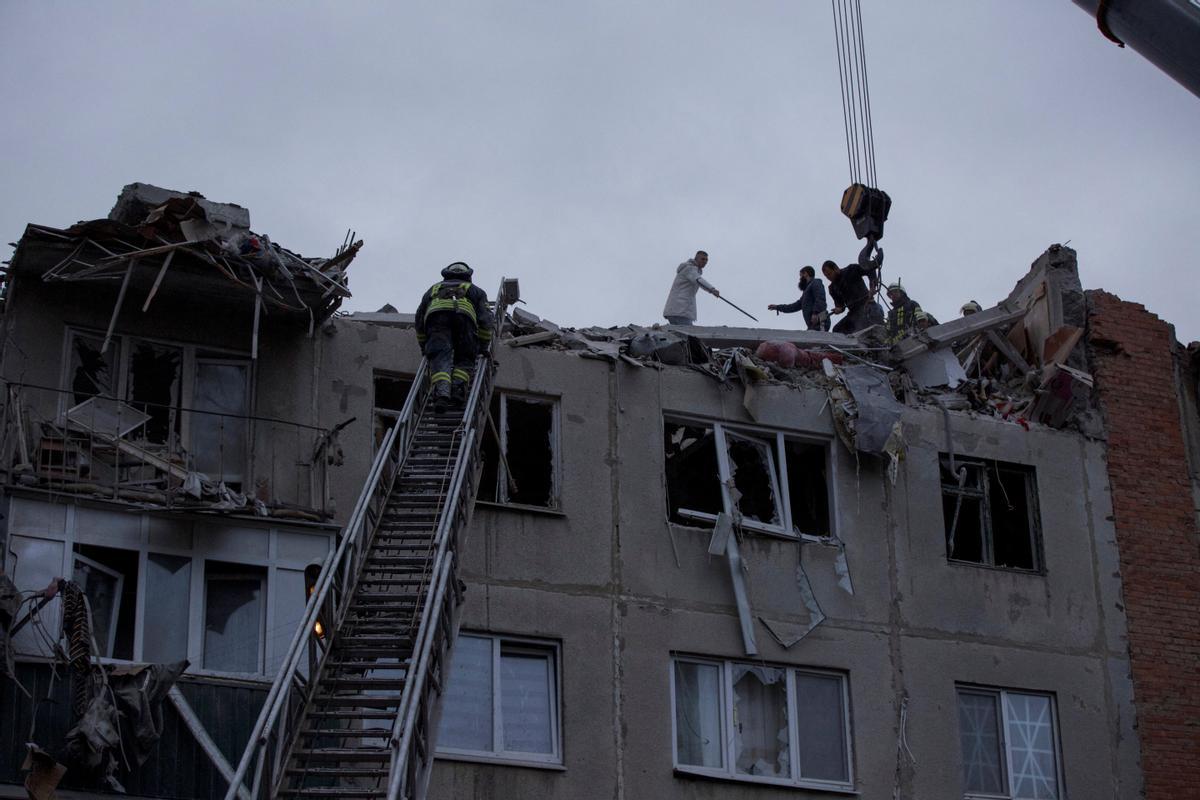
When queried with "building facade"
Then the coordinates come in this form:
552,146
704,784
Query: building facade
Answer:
974,613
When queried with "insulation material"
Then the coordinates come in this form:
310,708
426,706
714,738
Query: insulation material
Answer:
875,412
933,368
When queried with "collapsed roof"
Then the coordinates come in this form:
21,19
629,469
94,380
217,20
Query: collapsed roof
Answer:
1017,361
158,239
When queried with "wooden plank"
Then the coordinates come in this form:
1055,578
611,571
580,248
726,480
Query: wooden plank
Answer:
112,322
532,338
1007,350
158,280
150,251
1058,345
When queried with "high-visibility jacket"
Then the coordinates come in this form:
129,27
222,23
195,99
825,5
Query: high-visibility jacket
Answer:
902,319
456,297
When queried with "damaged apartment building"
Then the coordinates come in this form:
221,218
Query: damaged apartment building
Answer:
691,562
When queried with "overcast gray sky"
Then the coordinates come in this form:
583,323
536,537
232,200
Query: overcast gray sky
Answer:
588,147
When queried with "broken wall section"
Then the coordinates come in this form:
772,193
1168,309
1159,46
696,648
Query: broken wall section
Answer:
1158,539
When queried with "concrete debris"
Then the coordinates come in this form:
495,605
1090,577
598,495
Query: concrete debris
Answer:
872,411
155,239
930,369
1017,361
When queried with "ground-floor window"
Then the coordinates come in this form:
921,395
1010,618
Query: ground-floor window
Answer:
757,722
502,701
1009,744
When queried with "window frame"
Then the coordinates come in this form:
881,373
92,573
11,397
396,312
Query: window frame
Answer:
184,404
986,467
502,499
207,545
1001,695
118,598
776,442
496,755
224,571
729,770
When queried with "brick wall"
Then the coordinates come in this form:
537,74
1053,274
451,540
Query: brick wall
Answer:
1159,544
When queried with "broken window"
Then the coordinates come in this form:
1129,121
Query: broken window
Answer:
501,700
990,512
776,484
235,615
109,578
759,722
1009,743
526,433
391,392
153,388
220,427
93,373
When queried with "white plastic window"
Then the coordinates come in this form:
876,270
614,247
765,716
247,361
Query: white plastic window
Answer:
760,723
502,701
1008,744
771,483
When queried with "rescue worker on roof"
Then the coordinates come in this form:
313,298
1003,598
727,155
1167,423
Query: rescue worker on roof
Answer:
848,288
923,321
811,304
902,319
453,321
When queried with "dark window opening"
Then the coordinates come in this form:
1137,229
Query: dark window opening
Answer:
808,488
527,474
391,391
154,389
990,513
750,465
109,578
692,476
92,372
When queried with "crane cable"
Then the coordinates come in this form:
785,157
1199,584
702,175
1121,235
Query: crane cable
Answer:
856,93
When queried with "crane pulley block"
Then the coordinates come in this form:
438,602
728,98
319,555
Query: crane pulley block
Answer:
867,209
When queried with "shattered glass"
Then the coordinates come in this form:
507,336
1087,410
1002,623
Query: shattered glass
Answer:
753,473
760,722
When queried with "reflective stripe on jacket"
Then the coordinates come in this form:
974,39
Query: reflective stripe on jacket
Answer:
456,297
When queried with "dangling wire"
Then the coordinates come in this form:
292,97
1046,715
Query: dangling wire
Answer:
856,95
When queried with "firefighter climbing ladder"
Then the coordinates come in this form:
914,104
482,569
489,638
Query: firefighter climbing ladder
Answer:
381,618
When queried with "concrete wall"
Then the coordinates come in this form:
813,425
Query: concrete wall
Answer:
623,590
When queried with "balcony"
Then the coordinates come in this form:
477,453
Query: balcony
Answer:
202,458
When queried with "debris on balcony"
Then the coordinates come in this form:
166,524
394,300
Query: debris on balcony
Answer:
157,240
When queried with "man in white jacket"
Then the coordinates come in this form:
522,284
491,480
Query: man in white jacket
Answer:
681,300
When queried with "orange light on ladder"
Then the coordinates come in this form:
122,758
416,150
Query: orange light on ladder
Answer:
311,573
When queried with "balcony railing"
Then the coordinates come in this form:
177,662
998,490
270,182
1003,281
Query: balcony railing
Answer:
165,455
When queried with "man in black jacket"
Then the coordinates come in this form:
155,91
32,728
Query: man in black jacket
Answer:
453,321
811,304
848,288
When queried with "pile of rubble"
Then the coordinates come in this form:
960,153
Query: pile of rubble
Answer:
1017,361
